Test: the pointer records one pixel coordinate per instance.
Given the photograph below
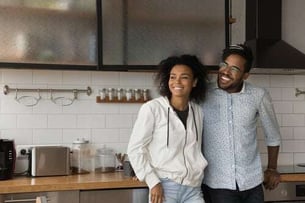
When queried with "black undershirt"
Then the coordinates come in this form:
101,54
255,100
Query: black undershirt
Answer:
182,115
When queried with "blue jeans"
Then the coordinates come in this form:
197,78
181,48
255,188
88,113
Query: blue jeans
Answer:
177,193
254,195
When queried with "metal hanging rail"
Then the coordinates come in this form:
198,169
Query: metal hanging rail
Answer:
7,90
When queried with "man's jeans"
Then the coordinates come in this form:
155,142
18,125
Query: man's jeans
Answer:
254,195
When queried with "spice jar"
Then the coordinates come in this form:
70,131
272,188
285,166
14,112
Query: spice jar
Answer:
81,157
104,160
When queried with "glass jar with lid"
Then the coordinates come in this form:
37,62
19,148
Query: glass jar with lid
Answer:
81,155
104,160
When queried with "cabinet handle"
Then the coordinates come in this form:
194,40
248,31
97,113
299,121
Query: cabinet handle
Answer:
22,200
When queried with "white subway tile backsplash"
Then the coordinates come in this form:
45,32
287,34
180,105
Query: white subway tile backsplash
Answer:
299,133
111,124
299,158
91,121
299,107
8,121
299,81
293,146
125,135
9,105
260,80
119,121
129,108
132,80
46,106
13,76
70,135
76,77
287,133
283,107
293,120
285,159
262,146
105,78
47,77
79,107
275,93
104,136
105,108
32,121
47,136
62,121
20,136
281,81
289,95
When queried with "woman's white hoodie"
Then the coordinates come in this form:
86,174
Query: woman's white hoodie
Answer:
161,147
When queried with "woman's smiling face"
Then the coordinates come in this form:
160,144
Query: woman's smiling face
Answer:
181,81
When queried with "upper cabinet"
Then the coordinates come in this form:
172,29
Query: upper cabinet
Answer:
110,34
48,34
140,33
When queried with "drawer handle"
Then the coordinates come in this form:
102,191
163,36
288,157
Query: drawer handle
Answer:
40,199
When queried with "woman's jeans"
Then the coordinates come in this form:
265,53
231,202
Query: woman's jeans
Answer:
177,193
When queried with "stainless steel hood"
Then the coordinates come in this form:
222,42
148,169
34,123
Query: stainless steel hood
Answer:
264,36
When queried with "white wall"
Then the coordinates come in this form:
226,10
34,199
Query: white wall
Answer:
111,124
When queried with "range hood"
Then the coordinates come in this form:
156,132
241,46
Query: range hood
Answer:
264,36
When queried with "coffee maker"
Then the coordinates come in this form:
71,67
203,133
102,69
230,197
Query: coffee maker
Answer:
7,158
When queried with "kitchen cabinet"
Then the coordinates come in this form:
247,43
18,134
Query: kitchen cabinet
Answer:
110,34
52,197
138,34
115,196
53,34
136,195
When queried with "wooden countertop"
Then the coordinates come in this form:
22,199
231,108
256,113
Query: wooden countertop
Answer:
89,181
293,177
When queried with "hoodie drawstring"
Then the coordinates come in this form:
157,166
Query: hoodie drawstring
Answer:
167,126
195,123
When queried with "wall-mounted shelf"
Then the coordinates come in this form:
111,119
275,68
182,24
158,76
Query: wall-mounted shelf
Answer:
115,100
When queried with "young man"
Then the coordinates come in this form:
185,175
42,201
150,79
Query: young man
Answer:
232,108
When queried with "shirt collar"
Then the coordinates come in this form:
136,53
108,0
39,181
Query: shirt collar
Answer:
243,89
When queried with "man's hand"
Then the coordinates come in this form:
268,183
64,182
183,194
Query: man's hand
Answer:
271,179
156,194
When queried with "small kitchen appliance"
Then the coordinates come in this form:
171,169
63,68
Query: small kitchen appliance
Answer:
7,158
49,161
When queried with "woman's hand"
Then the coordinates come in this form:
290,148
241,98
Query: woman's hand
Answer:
271,179
156,194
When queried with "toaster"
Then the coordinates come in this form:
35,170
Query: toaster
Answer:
49,161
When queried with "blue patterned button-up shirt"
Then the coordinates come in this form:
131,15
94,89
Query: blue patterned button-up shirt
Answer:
229,136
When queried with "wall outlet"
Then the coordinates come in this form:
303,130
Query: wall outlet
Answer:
22,151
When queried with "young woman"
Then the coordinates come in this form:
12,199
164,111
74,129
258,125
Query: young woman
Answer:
165,144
